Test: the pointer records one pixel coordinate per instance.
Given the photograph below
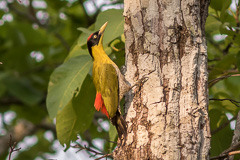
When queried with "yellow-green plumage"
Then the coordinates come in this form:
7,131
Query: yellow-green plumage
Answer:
110,84
105,80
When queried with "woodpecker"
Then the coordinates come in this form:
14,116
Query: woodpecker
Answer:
110,84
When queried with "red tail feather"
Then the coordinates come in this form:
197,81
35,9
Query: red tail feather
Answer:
99,104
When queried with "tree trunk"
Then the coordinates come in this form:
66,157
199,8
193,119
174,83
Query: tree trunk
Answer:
167,115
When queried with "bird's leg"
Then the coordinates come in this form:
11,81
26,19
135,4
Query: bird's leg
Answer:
144,79
123,69
140,82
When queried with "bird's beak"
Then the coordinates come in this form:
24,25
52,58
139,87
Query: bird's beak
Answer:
101,31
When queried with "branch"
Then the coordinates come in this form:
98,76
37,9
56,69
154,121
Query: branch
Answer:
227,99
219,157
106,155
12,146
232,148
227,152
22,129
93,151
233,153
214,81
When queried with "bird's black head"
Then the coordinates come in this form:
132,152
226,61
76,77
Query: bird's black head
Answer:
95,39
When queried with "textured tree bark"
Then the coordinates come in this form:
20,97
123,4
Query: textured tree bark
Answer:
167,116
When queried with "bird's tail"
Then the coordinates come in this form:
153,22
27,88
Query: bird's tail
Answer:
121,127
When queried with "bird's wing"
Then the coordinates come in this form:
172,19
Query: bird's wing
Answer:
108,80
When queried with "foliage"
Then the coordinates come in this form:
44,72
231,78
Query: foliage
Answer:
222,32
35,39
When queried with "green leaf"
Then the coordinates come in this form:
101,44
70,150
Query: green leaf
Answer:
83,104
223,29
222,66
113,135
76,51
232,87
78,48
66,120
82,40
212,24
65,81
84,35
219,4
225,6
77,116
219,144
115,24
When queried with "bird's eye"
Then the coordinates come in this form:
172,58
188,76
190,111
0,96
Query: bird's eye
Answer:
95,36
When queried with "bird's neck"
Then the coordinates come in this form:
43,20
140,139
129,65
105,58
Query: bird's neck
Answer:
99,54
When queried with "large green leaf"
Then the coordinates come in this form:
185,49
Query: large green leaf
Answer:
78,48
66,123
115,24
77,116
77,51
65,81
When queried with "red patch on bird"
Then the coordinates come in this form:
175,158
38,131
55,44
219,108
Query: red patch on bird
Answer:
99,104
90,36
